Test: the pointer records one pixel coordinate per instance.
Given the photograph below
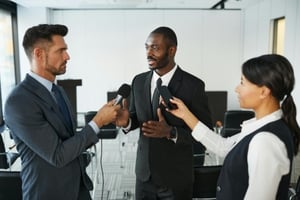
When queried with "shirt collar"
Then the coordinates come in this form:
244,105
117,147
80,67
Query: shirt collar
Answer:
166,78
253,124
46,83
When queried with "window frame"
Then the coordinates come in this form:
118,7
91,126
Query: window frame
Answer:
276,34
11,8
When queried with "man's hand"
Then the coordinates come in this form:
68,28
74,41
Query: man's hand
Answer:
157,129
106,114
123,115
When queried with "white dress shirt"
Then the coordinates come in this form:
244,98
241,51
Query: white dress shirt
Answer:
165,79
267,155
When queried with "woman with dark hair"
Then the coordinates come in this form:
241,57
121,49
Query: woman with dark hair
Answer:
259,159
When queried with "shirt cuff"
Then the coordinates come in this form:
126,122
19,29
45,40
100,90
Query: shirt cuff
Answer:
174,139
94,126
127,128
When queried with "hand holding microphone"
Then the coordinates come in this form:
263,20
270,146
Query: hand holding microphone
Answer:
123,113
166,96
106,114
123,93
109,112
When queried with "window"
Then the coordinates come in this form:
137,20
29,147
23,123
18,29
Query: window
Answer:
8,55
278,36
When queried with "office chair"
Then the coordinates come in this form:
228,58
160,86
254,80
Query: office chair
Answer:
233,120
10,185
294,193
198,153
88,116
205,182
7,158
108,131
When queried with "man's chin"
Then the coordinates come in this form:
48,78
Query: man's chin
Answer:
152,67
61,72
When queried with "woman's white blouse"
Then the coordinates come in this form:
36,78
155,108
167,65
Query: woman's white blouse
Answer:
267,155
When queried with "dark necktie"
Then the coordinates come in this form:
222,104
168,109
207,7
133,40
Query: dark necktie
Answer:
61,104
155,98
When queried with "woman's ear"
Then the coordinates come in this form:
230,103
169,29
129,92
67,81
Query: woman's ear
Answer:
265,91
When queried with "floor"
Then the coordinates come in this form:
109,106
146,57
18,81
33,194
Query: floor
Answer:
112,169
118,163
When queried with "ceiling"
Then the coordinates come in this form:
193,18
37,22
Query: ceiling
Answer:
137,4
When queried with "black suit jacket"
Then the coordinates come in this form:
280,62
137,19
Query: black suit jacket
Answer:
167,163
51,151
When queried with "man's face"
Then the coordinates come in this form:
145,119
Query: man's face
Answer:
157,51
56,56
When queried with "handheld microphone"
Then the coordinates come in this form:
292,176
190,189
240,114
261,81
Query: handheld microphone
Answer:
166,95
123,93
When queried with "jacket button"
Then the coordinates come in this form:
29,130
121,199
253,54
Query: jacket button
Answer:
218,188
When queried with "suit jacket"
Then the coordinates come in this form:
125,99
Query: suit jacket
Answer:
167,163
50,150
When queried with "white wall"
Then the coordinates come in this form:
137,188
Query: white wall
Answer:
257,33
27,18
107,48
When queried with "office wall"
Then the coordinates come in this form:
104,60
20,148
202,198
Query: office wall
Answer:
257,22
27,18
107,47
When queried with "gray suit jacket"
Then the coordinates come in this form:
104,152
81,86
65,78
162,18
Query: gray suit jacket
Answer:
51,153
161,159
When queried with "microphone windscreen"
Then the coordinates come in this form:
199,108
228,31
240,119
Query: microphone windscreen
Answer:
124,90
166,95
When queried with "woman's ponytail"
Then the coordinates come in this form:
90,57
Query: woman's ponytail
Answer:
289,116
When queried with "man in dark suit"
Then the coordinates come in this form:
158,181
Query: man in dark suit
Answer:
164,164
43,124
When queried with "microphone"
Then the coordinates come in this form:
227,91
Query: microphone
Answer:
123,93
166,95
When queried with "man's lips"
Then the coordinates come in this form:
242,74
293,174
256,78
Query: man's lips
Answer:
151,61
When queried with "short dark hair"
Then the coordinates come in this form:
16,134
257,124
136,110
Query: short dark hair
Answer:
39,33
168,34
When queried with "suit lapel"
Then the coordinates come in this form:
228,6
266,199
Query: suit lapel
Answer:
45,96
173,86
175,81
39,90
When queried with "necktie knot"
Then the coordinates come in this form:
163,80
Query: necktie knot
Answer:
158,82
54,88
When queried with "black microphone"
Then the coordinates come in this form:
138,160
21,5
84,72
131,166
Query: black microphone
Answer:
166,95
123,93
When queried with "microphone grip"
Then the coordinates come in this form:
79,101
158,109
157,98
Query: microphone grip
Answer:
118,99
